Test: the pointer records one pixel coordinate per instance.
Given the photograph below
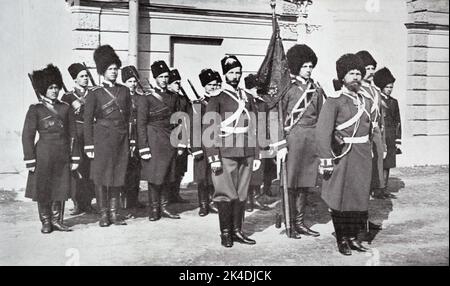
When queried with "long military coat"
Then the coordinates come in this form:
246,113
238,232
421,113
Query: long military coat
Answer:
51,154
106,119
348,188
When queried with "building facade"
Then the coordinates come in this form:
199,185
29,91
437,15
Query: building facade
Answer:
410,37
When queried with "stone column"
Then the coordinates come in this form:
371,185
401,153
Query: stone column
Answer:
133,32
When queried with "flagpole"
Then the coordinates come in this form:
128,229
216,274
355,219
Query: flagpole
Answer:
283,181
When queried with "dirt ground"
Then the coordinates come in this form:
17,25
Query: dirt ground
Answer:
415,232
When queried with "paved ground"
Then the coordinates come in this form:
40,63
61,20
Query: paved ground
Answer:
416,232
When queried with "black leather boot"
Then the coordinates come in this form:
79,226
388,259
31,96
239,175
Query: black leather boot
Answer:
114,204
292,212
154,197
76,208
238,218
299,225
45,216
102,202
356,228
339,222
225,223
164,203
203,200
386,193
174,194
250,203
256,195
57,220
211,204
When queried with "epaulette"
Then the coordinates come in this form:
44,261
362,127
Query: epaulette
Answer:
60,101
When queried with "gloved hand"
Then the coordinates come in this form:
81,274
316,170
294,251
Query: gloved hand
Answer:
256,164
216,167
74,166
326,168
90,154
31,169
146,156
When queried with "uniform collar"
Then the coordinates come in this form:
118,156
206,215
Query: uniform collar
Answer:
384,96
302,80
107,83
48,100
228,87
157,88
79,89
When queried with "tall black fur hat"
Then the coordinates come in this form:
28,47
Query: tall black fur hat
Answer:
251,81
174,75
129,72
230,62
206,76
347,63
104,56
298,55
218,77
383,77
44,78
367,58
159,67
75,69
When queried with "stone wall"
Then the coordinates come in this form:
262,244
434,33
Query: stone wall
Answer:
427,119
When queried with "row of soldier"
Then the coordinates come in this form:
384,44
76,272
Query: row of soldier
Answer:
112,136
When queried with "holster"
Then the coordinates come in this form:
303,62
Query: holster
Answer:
337,143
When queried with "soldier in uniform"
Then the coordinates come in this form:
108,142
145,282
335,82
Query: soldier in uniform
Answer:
258,177
130,194
107,141
55,154
182,105
301,108
379,146
231,153
84,189
157,154
343,137
393,126
210,80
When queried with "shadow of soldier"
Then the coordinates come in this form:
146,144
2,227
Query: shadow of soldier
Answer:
379,209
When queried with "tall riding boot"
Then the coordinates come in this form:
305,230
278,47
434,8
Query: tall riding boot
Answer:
45,216
57,223
338,219
114,204
154,197
203,200
238,218
386,192
256,194
355,229
225,223
76,208
174,193
292,197
164,203
211,204
102,203
299,225
250,203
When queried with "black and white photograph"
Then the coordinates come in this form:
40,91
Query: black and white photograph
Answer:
239,133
